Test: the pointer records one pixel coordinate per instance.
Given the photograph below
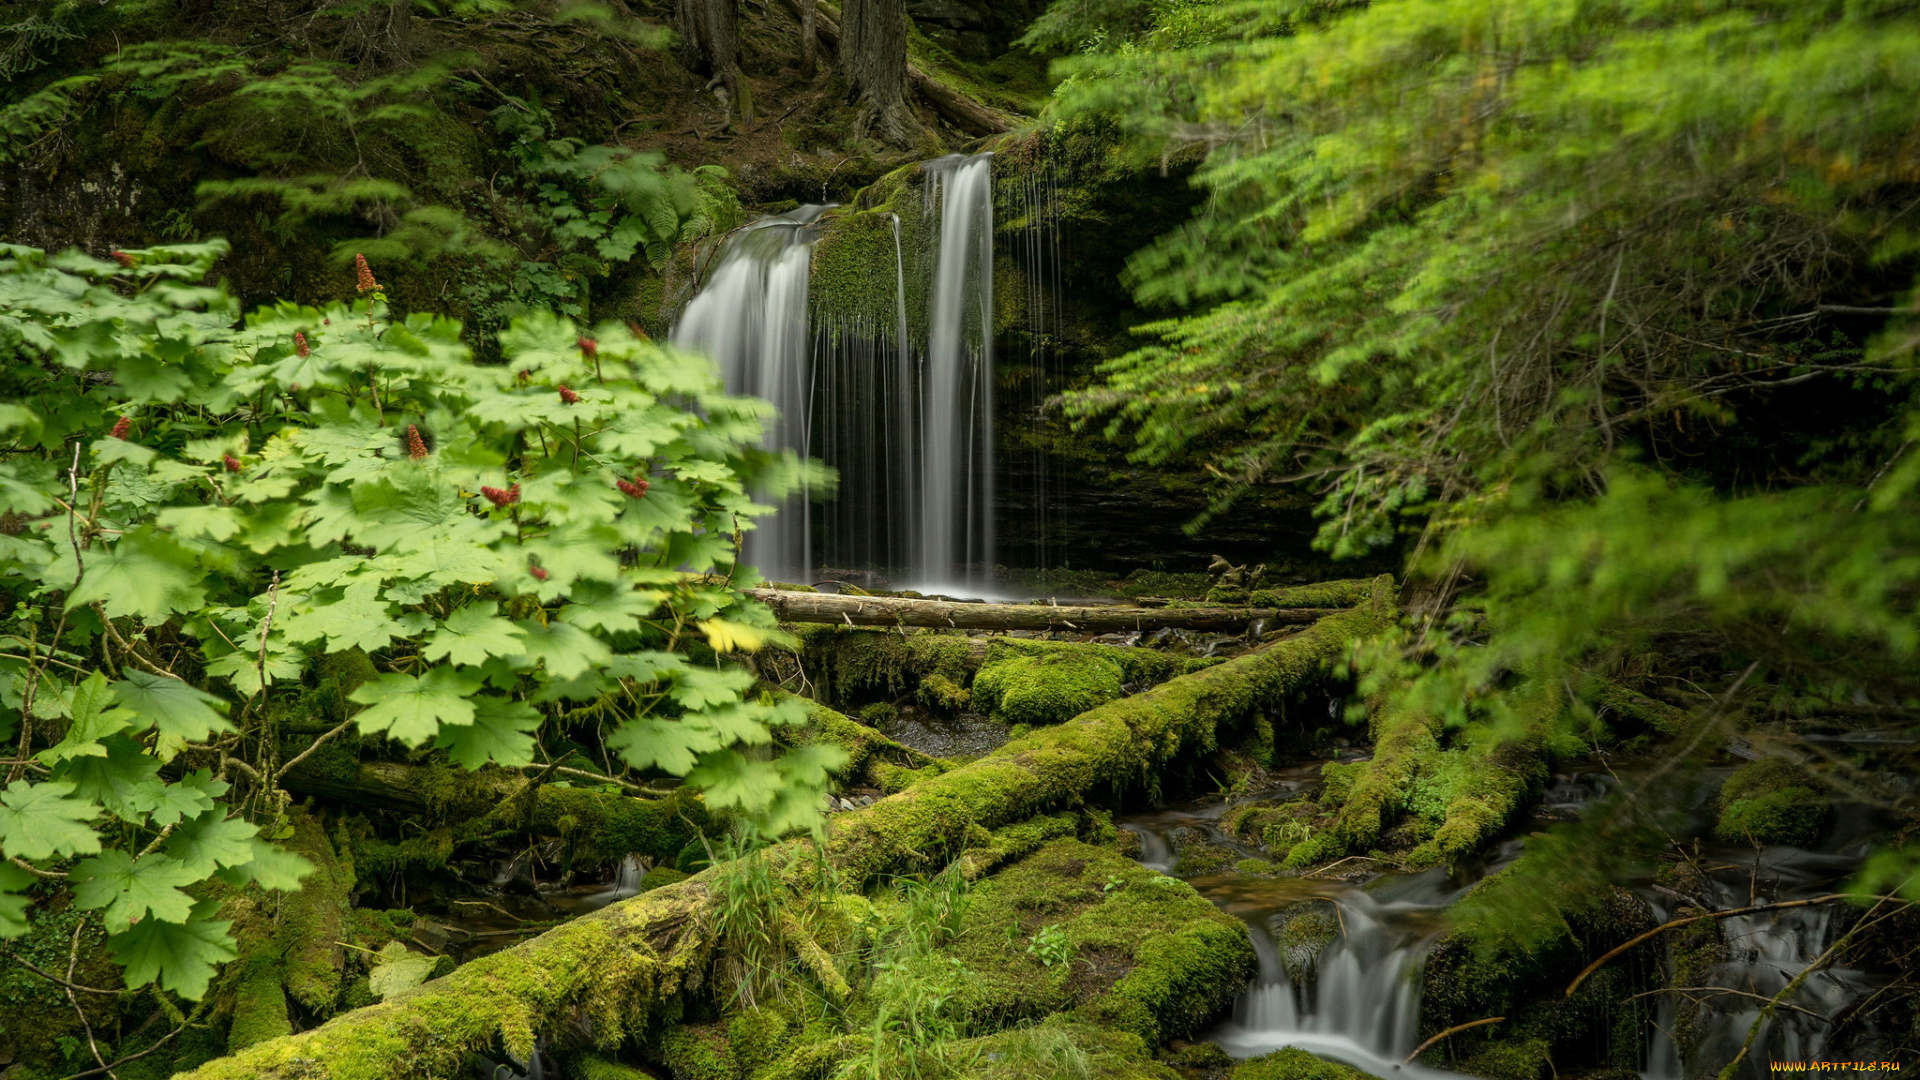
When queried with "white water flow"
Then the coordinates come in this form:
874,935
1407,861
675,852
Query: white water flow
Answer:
956,384
906,420
751,318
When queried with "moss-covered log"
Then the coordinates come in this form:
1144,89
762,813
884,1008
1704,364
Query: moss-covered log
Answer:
615,966
603,826
898,611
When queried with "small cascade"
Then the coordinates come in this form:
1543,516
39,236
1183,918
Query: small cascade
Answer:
905,419
626,880
1027,202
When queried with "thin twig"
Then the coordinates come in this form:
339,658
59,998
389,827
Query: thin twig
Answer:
302,755
1422,1048
73,961
52,978
1720,990
1676,923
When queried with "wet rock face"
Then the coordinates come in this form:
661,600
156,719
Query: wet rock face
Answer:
1302,931
957,27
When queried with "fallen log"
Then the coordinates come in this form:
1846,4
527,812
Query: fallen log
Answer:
806,607
611,968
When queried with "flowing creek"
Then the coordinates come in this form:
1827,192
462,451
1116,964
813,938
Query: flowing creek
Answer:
1357,999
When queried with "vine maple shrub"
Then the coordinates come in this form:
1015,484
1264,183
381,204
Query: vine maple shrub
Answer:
306,482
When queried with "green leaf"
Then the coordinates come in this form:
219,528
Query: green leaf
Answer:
91,722
212,840
130,889
610,607
413,709
41,820
13,909
358,619
398,971
499,732
699,687
176,707
178,802
472,634
125,781
145,574
182,957
648,667
567,651
271,867
241,667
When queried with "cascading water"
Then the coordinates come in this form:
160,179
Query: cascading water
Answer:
752,320
909,427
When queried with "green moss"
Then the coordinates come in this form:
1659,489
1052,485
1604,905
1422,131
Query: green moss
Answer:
1324,594
1294,1063
312,919
758,1037
849,663
1305,929
594,1067
1516,1059
1057,1050
1155,959
1199,859
865,747
260,1006
1202,1055
941,694
698,1052
659,876
1772,802
880,714
1046,689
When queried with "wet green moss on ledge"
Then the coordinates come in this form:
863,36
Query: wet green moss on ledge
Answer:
1294,1063
1046,689
1772,802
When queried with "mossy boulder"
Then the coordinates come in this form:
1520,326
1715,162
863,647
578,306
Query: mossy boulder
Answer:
661,875
1302,931
1772,802
1048,688
1294,1063
1150,956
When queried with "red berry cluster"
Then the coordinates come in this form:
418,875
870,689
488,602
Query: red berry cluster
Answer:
635,488
121,427
364,273
568,396
537,572
300,346
124,259
416,445
589,346
232,463
500,497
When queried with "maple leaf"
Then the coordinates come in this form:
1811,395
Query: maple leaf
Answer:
210,841
499,733
91,722
13,909
567,651
271,867
398,971
699,687
144,574
177,708
41,820
472,634
182,956
412,709
130,889
610,607
124,781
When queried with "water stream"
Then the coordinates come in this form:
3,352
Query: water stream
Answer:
1357,999
907,423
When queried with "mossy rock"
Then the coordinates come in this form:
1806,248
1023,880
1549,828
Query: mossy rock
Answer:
758,1038
698,1052
1772,802
1046,689
1152,957
260,1006
1303,931
941,694
1294,1063
1055,1050
1202,858
1511,1059
661,875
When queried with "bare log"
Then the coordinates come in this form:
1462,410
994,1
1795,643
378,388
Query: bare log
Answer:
612,966
947,614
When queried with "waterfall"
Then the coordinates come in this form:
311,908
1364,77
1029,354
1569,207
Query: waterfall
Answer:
752,320
907,424
956,384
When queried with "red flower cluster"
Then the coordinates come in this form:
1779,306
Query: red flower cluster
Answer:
365,274
567,395
498,497
416,445
300,346
232,463
637,332
123,259
635,488
121,427
538,574
589,346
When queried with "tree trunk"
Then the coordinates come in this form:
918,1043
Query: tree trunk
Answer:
956,108
614,965
807,607
809,37
710,45
873,56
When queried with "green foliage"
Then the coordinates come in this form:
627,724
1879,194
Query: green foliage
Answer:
1771,802
203,509
1046,689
